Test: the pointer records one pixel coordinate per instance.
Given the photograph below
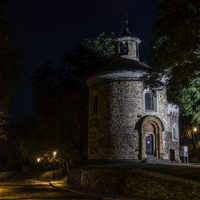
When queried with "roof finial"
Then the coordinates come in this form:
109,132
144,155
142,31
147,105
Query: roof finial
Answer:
126,20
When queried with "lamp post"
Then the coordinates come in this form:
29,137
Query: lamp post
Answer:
54,154
38,160
194,130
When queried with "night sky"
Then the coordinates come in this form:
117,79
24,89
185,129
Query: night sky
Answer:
49,27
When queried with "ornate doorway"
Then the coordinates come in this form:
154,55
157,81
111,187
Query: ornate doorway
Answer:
151,137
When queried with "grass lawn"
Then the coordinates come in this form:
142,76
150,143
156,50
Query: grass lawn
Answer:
187,172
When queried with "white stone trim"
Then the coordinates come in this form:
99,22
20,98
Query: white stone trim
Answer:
172,109
123,74
175,132
143,103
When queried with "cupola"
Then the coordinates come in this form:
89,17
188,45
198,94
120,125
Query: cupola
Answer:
126,45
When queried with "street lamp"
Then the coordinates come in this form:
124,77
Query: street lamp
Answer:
54,153
38,160
195,129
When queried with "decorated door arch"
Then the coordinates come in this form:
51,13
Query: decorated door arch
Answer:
151,126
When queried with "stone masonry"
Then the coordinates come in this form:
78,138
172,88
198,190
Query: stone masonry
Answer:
118,130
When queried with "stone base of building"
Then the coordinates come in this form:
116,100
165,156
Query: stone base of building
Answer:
110,161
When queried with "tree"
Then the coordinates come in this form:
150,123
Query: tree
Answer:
61,120
10,59
86,58
189,102
175,50
61,99
16,130
175,55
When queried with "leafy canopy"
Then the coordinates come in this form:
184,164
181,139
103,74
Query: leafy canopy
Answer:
175,43
11,70
189,99
61,101
88,56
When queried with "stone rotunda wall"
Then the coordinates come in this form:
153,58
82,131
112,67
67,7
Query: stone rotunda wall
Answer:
112,133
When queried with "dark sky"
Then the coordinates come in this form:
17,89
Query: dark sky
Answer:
49,27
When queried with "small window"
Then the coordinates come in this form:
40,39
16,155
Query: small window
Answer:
137,50
175,132
150,99
95,104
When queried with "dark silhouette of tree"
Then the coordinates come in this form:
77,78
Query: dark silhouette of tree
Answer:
16,131
189,102
175,50
61,101
11,70
85,59
175,56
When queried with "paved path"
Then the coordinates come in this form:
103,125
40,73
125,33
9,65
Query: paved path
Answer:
54,190
32,189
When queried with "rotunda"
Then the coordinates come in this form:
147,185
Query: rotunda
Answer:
127,122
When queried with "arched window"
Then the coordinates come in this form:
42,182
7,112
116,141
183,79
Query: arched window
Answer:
175,132
123,48
95,104
150,101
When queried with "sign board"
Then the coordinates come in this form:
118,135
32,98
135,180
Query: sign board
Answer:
183,151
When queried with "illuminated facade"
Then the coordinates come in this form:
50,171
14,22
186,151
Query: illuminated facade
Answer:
126,121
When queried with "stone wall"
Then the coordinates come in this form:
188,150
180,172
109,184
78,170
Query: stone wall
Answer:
168,121
99,137
134,182
173,143
112,130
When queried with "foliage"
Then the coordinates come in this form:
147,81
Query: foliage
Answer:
16,130
175,55
61,120
61,102
189,102
175,43
87,57
189,99
10,59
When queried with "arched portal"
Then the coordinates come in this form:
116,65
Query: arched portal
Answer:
152,128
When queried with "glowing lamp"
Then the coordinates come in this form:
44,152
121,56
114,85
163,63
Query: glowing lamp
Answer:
195,129
38,159
54,153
